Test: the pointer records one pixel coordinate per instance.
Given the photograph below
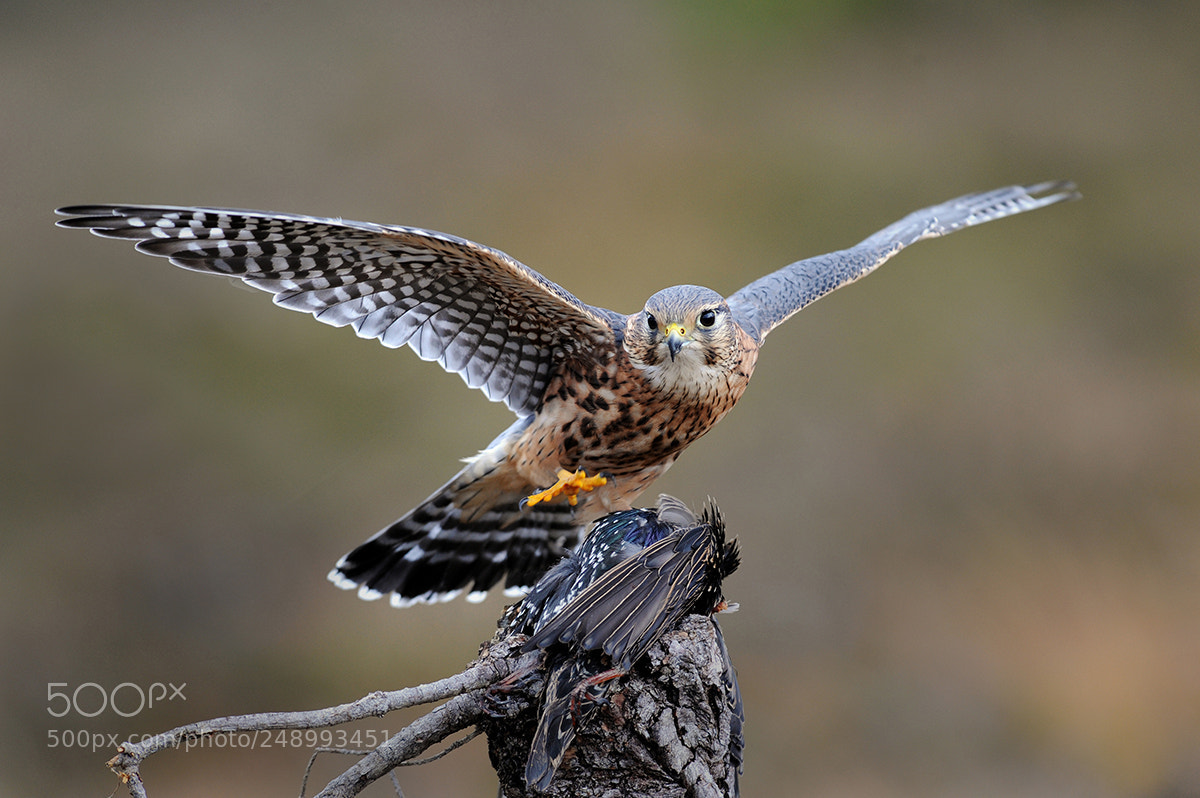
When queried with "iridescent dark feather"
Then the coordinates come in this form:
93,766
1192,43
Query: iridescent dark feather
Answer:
631,605
616,612
614,538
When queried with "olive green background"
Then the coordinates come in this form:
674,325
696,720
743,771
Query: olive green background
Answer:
968,488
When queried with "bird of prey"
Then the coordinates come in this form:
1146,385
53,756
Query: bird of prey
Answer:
597,612
605,402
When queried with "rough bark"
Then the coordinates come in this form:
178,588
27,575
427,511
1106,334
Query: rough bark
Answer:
665,731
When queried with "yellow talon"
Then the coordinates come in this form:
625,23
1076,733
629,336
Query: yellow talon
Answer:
569,485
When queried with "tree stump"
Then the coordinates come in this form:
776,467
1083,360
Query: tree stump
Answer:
669,728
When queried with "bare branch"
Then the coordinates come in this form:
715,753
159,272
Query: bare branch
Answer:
495,663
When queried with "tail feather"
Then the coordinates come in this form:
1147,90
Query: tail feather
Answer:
447,545
556,727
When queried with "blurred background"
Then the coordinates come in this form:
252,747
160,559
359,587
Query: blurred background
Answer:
968,487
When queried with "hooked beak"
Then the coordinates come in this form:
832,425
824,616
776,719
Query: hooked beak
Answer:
676,338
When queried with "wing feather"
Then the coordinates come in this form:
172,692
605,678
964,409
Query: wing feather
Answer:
630,606
479,313
767,302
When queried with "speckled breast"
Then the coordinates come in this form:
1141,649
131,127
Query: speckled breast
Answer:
606,418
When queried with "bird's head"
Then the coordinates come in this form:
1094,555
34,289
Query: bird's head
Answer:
682,331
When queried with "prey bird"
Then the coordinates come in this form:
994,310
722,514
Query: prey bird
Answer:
605,402
597,612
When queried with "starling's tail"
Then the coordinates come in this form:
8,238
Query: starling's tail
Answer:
469,534
562,708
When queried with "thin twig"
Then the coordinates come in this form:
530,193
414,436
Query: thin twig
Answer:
457,713
459,743
348,752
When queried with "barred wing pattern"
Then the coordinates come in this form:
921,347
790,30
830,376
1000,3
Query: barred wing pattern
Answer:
479,313
769,301
512,333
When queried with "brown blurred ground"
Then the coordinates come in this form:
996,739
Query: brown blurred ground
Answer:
968,488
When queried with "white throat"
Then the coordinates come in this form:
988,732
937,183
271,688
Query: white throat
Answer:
686,374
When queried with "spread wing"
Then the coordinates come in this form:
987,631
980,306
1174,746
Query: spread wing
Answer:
767,302
498,324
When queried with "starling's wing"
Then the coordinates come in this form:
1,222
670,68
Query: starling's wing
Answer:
628,608
611,540
524,616
498,324
767,302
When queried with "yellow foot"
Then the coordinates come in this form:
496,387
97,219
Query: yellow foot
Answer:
569,485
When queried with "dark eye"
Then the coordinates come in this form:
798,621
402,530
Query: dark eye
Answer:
651,322
708,318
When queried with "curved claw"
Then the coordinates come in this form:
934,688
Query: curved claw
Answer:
586,690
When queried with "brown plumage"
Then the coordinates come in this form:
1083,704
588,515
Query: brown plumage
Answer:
593,390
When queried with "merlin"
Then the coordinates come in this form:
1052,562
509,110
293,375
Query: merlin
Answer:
605,402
